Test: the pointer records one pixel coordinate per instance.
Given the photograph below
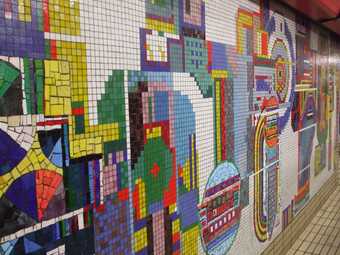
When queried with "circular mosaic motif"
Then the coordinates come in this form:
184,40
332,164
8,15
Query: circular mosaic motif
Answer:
220,209
282,72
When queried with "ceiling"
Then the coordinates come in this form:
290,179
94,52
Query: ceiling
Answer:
319,10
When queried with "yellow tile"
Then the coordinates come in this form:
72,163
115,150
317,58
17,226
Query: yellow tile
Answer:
82,145
175,226
140,239
190,241
55,87
15,173
24,10
53,91
53,66
48,80
5,178
56,110
64,16
67,106
54,100
172,208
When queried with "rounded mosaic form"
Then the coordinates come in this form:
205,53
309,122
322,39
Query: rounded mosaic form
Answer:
282,72
220,210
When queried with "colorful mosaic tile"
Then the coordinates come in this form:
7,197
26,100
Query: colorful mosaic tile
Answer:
160,127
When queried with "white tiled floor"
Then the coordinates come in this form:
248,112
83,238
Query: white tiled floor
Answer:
322,235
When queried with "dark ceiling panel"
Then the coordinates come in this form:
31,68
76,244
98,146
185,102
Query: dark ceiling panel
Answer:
319,10
334,25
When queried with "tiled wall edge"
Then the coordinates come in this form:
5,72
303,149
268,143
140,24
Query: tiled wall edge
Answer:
284,241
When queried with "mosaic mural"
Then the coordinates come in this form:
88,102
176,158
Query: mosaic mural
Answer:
160,127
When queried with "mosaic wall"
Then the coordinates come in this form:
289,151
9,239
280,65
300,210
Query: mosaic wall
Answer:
160,126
